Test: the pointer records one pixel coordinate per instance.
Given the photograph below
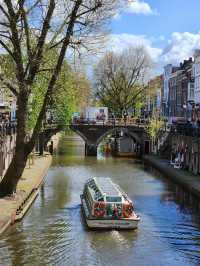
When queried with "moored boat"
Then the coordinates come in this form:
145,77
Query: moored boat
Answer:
105,205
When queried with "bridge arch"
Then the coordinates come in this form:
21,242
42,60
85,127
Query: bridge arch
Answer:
93,134
84,138
133,135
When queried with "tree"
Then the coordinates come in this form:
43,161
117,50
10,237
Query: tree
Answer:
72,94
156,126
64,98
120,78
28,29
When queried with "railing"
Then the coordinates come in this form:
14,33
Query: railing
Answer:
111,122
186,130
7,128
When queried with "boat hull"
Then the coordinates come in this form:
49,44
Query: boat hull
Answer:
112,224
108,223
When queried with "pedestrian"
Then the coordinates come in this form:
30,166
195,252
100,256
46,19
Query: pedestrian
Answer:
173,156
51,148
182,160
113,118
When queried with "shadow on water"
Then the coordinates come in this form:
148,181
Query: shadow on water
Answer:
184,233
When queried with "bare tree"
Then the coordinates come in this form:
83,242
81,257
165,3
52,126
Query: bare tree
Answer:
120,78
28,29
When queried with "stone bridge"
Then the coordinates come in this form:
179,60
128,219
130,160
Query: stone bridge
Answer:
45,136
94,134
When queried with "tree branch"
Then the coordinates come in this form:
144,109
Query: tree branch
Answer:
4,12
15,41
9,85
55,74
37,54
7,48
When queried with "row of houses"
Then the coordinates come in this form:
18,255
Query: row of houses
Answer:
176,93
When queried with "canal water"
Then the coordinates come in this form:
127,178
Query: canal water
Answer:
53,231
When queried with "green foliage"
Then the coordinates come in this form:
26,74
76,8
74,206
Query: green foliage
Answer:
120,78
36,100
155,126
64,100
7,66
138,106
69,94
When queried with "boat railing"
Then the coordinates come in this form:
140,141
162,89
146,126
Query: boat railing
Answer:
124,194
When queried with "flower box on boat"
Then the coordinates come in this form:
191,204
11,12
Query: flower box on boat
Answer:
105,205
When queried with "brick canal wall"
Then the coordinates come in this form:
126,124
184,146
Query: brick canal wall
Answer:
188,181
188,148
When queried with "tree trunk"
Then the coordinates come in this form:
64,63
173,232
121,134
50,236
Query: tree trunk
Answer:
9,183
13,173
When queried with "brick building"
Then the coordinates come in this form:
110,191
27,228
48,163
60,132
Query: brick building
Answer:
181,91
153,95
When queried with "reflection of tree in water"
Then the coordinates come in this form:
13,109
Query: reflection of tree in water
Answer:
17,246
185,200
68,153
31,245
55,193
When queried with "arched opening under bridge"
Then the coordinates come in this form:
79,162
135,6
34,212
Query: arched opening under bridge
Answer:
94,134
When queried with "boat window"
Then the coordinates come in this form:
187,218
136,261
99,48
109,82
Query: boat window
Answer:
113,199
100,199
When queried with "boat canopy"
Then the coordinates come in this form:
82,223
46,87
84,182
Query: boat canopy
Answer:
105,189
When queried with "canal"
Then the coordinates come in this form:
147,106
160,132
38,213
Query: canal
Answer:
53,231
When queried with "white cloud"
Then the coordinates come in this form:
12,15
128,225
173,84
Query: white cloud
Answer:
140,7
137,7
180,46
118,42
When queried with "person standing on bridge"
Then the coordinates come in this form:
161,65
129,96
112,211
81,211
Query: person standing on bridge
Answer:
113,119
125,115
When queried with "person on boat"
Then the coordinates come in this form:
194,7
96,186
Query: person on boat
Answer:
115,213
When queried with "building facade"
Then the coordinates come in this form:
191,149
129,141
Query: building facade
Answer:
181,91
153,96
168,69
197,76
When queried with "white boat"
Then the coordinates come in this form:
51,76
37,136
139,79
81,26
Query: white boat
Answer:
105,205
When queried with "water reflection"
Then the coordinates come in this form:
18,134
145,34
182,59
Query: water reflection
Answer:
54,232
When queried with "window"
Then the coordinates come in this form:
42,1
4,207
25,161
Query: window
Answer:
191,92
113,199
1,96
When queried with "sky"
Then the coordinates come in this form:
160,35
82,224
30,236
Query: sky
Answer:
169,29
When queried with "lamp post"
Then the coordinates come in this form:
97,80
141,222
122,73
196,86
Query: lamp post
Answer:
185,110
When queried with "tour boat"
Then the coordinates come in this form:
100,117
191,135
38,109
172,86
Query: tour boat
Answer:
105,205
